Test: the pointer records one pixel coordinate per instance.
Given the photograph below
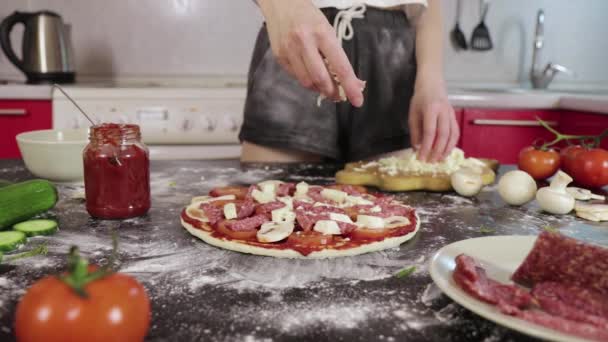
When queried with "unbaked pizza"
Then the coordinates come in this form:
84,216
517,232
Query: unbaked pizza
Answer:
289,220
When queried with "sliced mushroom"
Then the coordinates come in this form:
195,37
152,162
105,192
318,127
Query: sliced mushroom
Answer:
275,231
592,212
583,194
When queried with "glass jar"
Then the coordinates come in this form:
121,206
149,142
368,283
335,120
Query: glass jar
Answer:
116,172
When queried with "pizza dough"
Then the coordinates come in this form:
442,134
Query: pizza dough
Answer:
292,254
404,172
381,222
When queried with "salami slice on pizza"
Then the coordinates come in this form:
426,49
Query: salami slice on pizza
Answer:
288,220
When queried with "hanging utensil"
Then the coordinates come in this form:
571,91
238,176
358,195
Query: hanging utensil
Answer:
481,40
115,160
56,86
458,39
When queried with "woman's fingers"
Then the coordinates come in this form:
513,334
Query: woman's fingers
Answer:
429,128
340,65
297,66
317,69
442,134
454,135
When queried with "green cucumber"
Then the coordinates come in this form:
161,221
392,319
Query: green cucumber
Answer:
22,201
11,240
36,227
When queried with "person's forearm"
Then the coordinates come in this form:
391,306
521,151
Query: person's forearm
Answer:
429,45
273,7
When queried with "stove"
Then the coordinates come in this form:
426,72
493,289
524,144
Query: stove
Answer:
177,120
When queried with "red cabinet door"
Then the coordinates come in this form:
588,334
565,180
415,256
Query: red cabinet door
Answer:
583,123
459,113
18,116
501,134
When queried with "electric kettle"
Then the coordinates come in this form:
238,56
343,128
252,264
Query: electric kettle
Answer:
47,55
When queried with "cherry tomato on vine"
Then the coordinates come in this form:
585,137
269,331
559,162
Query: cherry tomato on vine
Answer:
540,164
568,156
587,166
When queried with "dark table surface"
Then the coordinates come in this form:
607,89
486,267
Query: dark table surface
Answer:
199,292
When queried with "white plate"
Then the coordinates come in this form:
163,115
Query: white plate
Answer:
500,256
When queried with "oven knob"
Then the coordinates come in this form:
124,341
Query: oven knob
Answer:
207,124
230,124
187,125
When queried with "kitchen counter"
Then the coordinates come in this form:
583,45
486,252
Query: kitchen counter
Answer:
460,96
199,292
13,91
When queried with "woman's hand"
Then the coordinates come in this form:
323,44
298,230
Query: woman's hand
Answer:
433,127
300,37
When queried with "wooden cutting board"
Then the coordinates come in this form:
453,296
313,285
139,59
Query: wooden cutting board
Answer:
354,174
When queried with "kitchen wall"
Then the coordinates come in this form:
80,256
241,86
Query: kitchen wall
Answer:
190,38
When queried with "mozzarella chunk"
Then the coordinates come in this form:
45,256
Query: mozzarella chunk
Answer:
371,222
376,209
334,195
270,186
327,227
230,211
284,214
274,231
340,217
288,201
262,197
358,200
301,189
396,221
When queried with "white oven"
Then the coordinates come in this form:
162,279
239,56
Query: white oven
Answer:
176,123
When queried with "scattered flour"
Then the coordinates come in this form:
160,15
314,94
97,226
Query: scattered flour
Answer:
430,294
174,266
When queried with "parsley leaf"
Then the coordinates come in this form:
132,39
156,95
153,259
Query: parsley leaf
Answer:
405,272
551,229
486,230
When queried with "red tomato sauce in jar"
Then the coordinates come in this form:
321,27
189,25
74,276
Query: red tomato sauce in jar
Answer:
116,172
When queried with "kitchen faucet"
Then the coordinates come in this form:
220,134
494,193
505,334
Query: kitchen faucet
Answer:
542,77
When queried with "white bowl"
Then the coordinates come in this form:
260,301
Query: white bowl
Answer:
54,154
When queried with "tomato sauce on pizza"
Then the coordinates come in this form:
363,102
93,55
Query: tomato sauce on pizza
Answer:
276,215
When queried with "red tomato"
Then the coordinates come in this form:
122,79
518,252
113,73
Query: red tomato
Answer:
538,163
588,167
568,156
238,191
117,309
370,234
310,239
241,235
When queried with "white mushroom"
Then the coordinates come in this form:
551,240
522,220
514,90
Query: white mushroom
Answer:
554,198
517,187
583,194
466,182
275,231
